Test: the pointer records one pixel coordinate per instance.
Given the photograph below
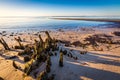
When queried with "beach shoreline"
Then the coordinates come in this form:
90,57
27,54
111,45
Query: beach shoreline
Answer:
103,59
91,19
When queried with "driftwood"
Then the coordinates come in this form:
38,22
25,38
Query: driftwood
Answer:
5,45
19,42
14,65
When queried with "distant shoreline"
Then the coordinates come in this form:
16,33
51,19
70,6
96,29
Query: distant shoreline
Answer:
90,19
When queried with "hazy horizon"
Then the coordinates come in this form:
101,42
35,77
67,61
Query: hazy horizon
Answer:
59,8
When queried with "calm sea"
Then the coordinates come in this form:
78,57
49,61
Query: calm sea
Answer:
45,23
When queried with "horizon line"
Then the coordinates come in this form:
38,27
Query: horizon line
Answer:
61,16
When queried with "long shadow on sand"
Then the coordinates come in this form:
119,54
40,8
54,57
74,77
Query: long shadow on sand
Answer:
92,73
94,57
99,58
15,58
82,70
106,55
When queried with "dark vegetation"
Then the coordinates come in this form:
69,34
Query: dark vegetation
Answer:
116,33
100,38
95,41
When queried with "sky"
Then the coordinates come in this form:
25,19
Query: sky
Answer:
59,8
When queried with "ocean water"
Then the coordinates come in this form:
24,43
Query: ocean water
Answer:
45,23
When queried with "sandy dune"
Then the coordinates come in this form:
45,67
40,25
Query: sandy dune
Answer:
95,65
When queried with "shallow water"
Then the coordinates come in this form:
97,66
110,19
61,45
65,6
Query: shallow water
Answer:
45,23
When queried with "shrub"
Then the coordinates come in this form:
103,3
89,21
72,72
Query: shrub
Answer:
116,33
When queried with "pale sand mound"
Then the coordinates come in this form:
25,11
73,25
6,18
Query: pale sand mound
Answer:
8,72
91,66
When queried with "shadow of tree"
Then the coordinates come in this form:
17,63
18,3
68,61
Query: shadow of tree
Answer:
98,58
75,70
95,58
15,58
106,55
92,73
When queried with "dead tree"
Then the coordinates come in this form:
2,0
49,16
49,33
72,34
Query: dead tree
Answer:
5,45
18,40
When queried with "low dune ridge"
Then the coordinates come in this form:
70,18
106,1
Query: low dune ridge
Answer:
91,19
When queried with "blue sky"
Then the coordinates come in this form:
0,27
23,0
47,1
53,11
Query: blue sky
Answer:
59,7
